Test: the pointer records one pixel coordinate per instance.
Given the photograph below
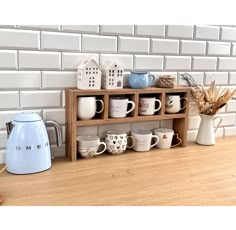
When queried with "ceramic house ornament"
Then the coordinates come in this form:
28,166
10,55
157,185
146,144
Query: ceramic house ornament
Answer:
112,76
89,75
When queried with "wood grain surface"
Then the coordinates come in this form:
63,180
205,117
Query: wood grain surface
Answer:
194,175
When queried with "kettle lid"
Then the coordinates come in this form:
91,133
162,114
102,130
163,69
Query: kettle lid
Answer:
27,117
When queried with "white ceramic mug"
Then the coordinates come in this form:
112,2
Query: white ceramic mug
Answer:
165,138
143,140
117,141
119,107
88,146
87,107
173,103
147,105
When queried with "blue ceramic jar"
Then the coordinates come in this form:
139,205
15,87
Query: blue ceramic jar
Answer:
140,80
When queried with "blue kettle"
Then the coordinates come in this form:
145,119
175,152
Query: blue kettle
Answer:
140,80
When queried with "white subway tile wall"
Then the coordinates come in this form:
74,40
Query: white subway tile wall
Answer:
38,62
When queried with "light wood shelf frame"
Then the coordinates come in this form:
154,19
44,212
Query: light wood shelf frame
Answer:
180,120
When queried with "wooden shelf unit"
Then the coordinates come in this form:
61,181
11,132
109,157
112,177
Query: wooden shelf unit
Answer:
180,120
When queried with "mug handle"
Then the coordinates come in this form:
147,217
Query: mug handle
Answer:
157,140
132,145
105,147
180,141
159,105
184,98
152,77
102,103
218,123
133,106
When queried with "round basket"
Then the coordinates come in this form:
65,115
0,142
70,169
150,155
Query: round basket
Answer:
166,81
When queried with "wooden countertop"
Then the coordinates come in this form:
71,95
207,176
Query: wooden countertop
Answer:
194,175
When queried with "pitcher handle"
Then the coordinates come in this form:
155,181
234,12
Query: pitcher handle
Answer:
184,98
218,123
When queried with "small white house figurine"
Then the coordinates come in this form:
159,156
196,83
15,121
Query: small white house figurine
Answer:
89,75
112,76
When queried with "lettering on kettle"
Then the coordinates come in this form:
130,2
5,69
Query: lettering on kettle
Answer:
30,147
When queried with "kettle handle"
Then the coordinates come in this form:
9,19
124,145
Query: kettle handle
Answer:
57,130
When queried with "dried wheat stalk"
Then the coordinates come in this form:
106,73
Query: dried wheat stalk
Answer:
209,101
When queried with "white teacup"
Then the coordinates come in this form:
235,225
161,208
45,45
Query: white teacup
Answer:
143,140
173,103
119,107
87,107
88,146
147,105
116,141
165,138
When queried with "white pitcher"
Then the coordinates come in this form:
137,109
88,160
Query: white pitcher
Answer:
206,131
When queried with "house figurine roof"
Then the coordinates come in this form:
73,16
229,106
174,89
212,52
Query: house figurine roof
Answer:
110,64
84,63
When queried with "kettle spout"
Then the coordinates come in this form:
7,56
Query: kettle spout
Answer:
9,126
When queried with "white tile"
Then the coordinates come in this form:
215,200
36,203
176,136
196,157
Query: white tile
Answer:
219,48
81,28
208,32
166,124
3,139
191,135
134,45
227,119
56,79
8,26
57,152
220,78
148,62
8,59
125,61
57,115
165,46
39,60
180,31
150,30
228,33
40,27
194,122
103,128
231,106
60,41
233,49
193,109
227,63
230,131
232,76
204,63
20,79
9,100
40,99
117,29
95,43
193,47
177,63
6,116
197,76
2,156
19,38
150,125
70,61
63,96
87,130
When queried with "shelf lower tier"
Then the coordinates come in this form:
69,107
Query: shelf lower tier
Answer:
129,119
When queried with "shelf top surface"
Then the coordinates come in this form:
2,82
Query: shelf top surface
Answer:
130,90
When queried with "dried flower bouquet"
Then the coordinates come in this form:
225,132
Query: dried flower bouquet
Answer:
209,101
